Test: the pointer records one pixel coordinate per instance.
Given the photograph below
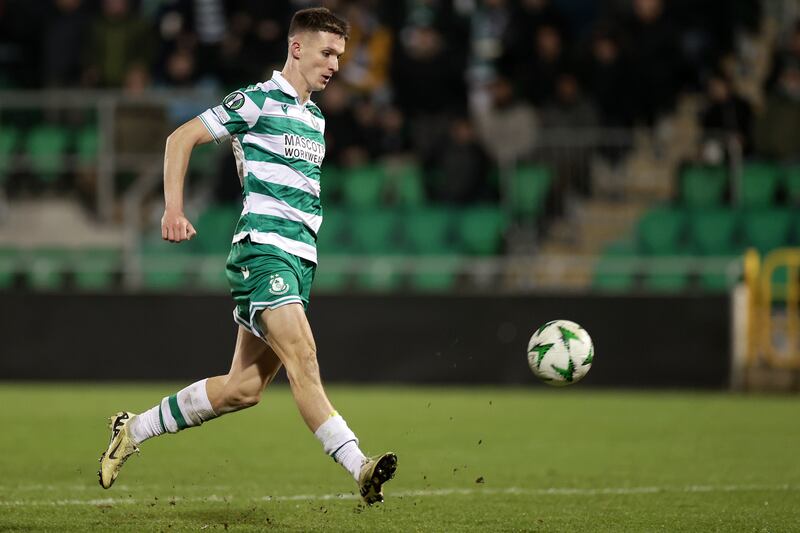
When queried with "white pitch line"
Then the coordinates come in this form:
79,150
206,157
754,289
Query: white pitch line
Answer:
511,491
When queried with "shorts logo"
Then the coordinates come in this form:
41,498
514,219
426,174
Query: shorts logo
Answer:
277,285
234,101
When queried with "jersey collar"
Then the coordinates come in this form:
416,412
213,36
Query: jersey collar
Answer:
286,87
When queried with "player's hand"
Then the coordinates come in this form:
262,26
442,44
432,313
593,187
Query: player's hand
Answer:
175,227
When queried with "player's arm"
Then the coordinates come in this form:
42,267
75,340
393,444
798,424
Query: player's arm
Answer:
175,227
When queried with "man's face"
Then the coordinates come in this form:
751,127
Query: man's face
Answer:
319,57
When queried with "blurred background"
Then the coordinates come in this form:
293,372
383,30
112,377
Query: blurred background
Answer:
490,165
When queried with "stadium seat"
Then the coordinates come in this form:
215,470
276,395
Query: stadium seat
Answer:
530,186
661,231
766,229
331,185
374,231
96,268
792,185
405,185
442,279
616,268
327,280
9,139
165,266
668,278
211,273
713,231
427,230
86,146
45,147
215,227
361,187
703,186
9,258
333,238
481,229
47,267
759,185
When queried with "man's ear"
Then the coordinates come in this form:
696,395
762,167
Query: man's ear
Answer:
294,48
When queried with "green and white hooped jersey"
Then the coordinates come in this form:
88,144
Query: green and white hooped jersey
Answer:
279,146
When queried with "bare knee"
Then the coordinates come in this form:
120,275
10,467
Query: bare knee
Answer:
237,397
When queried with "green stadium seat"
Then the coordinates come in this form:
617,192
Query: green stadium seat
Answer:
9,263
379,276
759,185
328,280
669,277
165,266
405,185
766,229
481,229
9,139
96,268
374,231
211,274
792,185
531,184
331,185
427,231
362,187
333,238
713,231
45,147
441,279
47,267
703,186
203,159
661,231
87,146
616,269
215,227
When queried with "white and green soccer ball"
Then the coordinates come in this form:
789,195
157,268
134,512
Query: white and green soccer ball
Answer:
560,352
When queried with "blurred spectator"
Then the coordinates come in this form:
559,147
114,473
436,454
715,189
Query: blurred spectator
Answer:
393,139
460,167
527,16
488,27
141,127
119,40
726,115
428,84
63,42
508,127
20,41
651,46
567,127
344,139
534,74
777,130
787,55
606,77
365,65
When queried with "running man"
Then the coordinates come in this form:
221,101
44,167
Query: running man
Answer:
277,136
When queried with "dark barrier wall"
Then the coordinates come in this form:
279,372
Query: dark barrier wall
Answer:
639,341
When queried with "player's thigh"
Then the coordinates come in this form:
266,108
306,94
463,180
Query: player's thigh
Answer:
289,334
254,362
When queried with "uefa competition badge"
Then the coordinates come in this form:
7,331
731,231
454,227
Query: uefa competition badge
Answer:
277,285
234,101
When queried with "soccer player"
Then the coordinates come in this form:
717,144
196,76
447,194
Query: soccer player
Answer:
277,136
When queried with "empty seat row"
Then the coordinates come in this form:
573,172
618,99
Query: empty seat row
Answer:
760,185
46,148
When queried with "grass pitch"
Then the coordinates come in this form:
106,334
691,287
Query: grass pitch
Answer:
482,459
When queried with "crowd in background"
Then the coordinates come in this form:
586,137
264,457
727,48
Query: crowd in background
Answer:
461,84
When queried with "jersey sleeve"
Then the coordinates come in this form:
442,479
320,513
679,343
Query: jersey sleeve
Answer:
238,113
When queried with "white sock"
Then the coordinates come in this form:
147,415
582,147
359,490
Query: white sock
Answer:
341,443
146,425
187,408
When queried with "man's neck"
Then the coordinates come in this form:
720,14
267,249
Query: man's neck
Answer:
296,80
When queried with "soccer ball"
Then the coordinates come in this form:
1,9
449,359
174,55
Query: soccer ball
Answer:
560,353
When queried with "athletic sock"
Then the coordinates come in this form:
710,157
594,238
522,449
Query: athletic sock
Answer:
341,443
190,407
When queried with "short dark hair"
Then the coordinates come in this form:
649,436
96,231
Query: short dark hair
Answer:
318,19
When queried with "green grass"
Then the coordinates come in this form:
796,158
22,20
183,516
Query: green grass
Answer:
549,460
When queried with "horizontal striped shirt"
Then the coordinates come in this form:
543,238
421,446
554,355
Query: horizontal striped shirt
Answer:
279,147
